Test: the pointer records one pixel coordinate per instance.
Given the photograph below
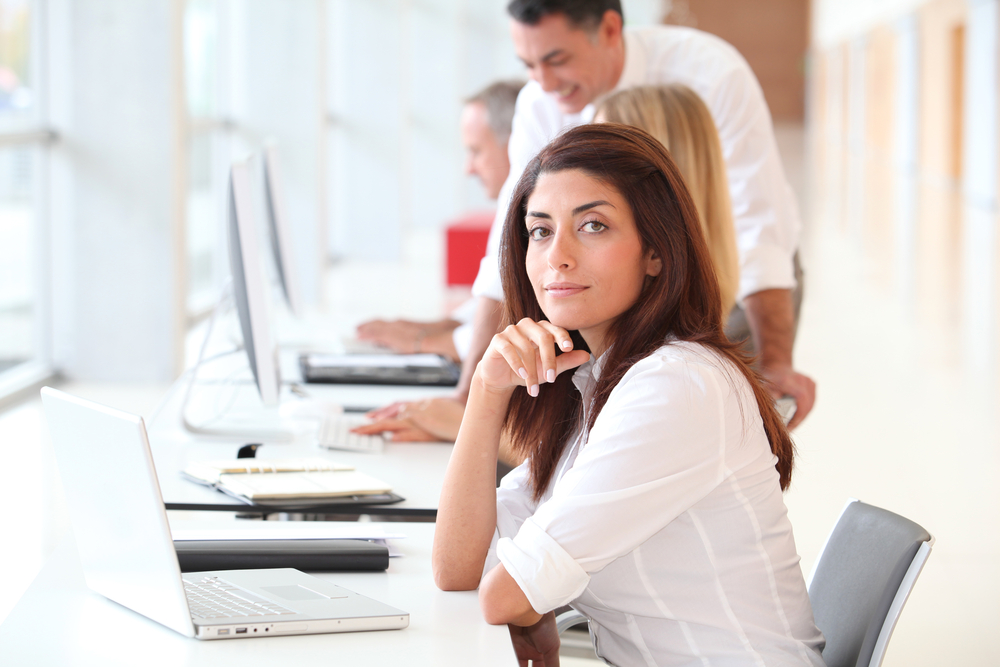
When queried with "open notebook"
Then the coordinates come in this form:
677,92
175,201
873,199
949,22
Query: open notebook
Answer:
285,480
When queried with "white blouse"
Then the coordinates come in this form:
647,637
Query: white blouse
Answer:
666,525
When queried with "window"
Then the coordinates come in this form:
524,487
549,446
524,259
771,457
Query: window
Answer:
214,140
201,51
24,353
18,266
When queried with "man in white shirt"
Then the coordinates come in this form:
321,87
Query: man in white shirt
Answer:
577,51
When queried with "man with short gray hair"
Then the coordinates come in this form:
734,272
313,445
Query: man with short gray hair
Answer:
485,128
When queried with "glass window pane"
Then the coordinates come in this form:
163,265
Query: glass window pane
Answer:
18,174
16,79
201,57
204,224
201,215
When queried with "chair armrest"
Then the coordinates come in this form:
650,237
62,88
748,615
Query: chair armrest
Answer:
568,619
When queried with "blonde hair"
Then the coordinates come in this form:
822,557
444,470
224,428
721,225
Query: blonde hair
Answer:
679,119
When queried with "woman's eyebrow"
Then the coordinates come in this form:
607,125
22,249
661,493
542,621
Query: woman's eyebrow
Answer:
600,202
576,211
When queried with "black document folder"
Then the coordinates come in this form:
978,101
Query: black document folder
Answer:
307,555
428,370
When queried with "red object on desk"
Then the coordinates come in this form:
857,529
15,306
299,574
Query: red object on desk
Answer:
466,245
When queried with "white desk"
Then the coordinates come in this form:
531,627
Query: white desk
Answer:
415,471
59,622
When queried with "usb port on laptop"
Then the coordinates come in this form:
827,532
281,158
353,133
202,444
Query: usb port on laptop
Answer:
241,631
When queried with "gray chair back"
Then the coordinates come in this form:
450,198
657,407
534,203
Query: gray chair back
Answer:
861,582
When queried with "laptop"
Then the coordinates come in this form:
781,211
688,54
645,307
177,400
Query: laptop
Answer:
128,556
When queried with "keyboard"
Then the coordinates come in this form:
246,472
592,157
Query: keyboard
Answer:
335,433
211,597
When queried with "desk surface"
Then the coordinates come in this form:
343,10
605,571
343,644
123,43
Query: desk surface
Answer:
60,622
415,470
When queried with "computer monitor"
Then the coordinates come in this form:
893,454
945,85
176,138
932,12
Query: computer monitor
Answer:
280,230
250,290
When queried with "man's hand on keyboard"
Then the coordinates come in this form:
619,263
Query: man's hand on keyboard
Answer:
430,420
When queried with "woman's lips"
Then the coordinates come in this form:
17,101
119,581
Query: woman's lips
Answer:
564,289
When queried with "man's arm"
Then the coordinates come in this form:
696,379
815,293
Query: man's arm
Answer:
772,326
764,213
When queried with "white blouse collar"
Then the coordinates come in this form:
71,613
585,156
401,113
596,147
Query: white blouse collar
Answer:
587,374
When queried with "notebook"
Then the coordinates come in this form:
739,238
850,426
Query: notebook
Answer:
262,481
211,472
128,556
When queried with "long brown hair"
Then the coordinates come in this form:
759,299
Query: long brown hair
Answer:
679,119
682,302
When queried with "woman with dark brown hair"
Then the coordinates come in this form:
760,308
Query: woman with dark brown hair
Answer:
650,499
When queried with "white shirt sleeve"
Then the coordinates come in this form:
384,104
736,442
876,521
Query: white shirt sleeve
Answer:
657,448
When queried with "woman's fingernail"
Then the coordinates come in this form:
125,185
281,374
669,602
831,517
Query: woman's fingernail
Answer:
533,390
550,375
567,344
523,373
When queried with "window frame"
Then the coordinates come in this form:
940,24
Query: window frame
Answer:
34,131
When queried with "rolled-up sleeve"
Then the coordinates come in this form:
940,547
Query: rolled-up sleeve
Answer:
657,448
548,576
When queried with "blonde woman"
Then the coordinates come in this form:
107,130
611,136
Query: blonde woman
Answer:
679,119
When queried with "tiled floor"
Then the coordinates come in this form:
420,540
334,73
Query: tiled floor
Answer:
898,423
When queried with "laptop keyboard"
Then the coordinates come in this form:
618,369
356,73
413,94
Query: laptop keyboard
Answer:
335,433
211,597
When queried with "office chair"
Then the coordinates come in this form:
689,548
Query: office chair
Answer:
862,579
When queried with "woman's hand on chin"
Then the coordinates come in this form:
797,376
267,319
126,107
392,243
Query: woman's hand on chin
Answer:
524,354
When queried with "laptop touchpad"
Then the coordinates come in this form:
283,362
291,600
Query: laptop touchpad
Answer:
294,593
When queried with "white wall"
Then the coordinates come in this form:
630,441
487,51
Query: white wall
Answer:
399,70
906,145
979,275
835,21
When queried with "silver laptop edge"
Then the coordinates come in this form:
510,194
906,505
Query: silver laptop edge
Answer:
127,553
